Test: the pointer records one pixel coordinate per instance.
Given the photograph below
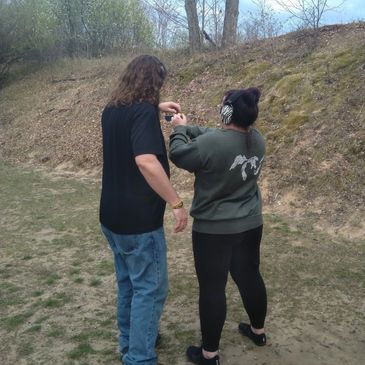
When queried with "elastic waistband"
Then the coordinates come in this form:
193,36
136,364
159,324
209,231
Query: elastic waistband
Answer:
228,226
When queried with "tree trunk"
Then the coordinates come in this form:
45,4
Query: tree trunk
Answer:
230,23
193,24
71,41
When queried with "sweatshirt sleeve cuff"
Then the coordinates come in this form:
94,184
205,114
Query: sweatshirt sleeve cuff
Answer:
181,129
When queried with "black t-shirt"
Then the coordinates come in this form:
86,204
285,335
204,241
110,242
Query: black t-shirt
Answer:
128,204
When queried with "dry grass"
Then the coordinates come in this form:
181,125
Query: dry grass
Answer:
57,301
57,284
312,99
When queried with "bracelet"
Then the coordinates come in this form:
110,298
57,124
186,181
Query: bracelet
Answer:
177,205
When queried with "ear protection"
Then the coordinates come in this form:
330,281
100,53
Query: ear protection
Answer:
227,107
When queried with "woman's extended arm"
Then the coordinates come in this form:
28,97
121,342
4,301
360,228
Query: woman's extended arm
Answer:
183,153
194,131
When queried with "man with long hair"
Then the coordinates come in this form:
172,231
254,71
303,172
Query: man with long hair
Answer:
135,190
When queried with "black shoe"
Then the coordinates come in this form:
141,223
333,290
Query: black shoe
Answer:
245,329
195,355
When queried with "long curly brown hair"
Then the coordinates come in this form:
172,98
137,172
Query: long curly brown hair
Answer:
141,81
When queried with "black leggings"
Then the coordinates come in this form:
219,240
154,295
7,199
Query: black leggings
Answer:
214,256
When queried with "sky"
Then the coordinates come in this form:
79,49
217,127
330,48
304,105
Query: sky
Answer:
351,10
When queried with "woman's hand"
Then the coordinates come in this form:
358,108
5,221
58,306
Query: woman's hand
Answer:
169,107
179,119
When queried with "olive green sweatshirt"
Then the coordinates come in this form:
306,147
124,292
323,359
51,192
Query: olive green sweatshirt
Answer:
226,164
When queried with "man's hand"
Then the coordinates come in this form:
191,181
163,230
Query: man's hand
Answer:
181,219
152,170
179,119
169,107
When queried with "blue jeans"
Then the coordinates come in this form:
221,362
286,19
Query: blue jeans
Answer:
141,273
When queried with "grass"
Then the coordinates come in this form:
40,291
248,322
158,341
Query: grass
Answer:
13,322
56,273
25,349
56,301
78,280
55,331
95,282
58,290
52,279
81,351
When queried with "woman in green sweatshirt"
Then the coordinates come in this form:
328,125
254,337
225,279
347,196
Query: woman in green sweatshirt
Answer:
227,212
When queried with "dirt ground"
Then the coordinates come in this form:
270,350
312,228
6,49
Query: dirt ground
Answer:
57,302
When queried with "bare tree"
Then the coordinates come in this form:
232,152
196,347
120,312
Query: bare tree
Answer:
204,20
230,23
260,23
308,12
166,20
195,41
214,16
169,22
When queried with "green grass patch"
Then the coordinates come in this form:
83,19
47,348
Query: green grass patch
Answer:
75,271
79,280
346,59
289,84
251,72
10,294
35,328
25,349
82,350
12,323
105,267
64,241
56,301
55,331
95,282
94,334
42,319
52,279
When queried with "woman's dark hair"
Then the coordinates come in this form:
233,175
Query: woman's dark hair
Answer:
141,81
245,109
